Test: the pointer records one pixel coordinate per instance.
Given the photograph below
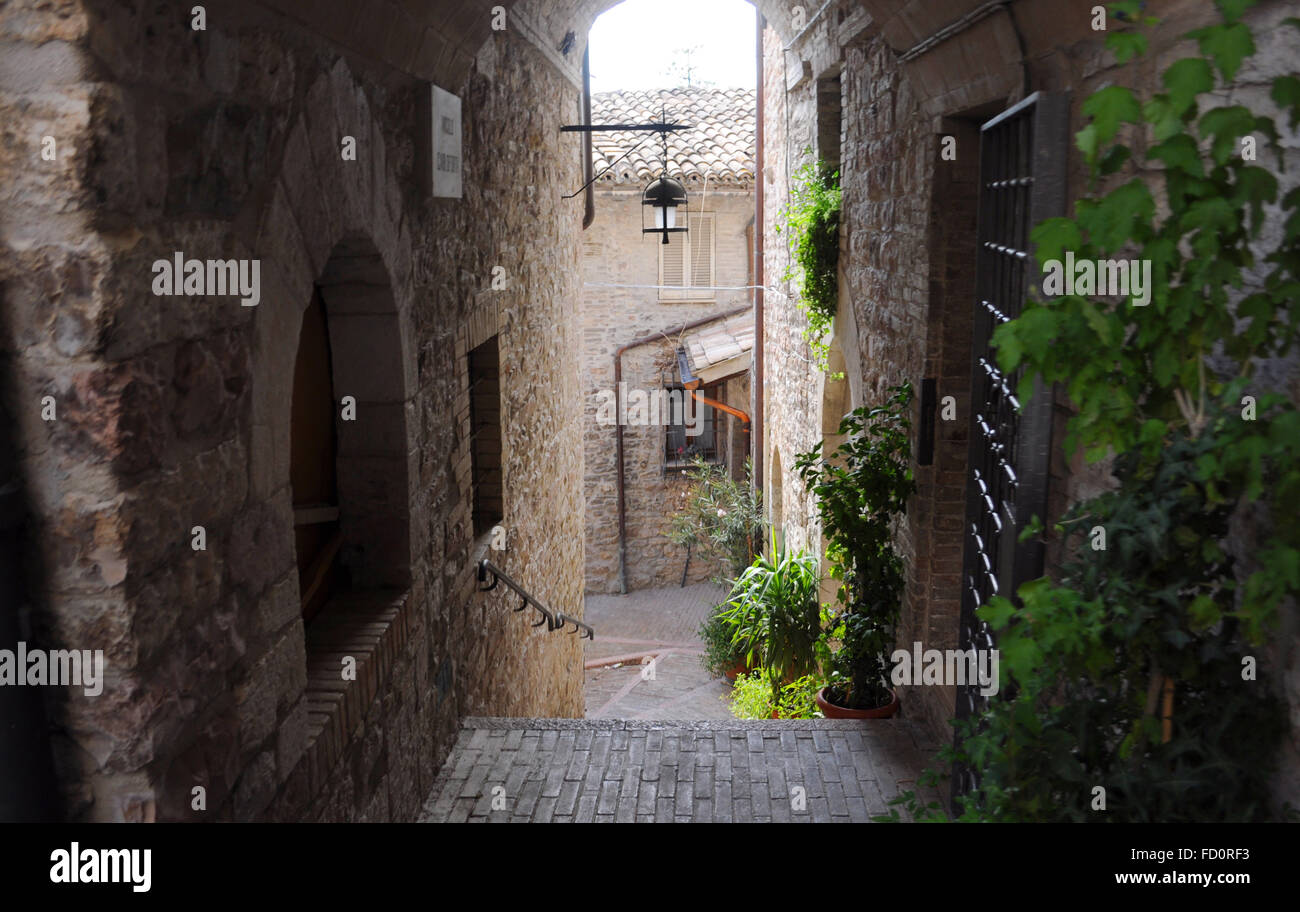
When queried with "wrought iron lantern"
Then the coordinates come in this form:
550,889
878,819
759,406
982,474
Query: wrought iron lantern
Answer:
662,197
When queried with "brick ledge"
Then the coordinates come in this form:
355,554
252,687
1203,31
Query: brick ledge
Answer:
372,627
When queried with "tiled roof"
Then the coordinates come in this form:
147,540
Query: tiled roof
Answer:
720,349
720,145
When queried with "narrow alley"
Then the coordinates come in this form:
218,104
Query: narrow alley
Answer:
648,410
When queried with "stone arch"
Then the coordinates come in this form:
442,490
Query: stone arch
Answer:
778,13
325,224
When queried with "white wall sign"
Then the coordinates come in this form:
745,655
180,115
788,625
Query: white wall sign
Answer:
446,144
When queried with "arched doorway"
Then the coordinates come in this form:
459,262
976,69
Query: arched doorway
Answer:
348,451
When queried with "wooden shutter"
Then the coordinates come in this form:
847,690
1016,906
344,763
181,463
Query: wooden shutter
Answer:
700,242
687,263
672,266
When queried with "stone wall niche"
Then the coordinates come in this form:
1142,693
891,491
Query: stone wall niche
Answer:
369,365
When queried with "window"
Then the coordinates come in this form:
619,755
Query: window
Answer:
485,435
680,448
686,261
829,123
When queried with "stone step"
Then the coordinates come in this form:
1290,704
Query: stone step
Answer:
618,770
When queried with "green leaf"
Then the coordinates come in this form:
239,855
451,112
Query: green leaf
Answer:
1116,216
1227,126
1228,44
1053,237
1126,45
1114,159
1185,79
1286,93
1108,108
1233,9
1179,152
998,612
1087,141
1165,121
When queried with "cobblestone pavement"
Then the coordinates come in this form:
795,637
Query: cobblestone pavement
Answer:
596,770
657,623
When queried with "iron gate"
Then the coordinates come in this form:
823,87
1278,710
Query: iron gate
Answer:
1022,168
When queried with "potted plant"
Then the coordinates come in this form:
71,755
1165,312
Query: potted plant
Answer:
721,654
862,490
777,617
751,698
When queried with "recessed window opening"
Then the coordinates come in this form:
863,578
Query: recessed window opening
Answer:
485,430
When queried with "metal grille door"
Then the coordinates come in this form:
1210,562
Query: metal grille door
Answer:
1022,165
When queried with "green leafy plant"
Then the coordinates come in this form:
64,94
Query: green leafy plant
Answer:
811,218
721,654
777,617
751,698
862,489
720,516
1128,671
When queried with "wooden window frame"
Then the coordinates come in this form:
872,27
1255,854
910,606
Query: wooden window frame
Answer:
688,248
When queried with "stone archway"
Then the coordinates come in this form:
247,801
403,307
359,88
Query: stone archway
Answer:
325,226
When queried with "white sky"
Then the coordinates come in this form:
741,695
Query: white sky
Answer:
632,44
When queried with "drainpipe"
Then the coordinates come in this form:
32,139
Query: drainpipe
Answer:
618,425
589,215
756,438
700,397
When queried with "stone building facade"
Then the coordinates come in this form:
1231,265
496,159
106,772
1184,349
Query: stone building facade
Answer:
621,304
298,136
876,87
150,504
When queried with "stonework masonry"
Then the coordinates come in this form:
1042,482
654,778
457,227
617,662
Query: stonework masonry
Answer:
907,248
173,412
616,253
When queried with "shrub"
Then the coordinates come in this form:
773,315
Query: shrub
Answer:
861,490
812,220
720,516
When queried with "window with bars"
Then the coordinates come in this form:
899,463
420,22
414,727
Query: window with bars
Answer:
686,261
681,448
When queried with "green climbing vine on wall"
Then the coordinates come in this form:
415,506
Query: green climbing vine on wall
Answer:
811,220
1133,686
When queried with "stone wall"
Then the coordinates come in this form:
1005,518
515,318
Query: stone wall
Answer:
907,243
172,412
616,253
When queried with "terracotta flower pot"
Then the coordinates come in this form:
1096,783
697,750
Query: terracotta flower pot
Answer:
740,668
833,711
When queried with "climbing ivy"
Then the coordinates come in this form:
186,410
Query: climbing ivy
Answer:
811,219
1133,672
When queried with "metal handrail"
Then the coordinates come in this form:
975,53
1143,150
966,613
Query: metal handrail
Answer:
554,620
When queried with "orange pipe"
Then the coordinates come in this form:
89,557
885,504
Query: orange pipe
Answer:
695,394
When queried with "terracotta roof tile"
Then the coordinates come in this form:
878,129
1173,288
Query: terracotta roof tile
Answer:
721,144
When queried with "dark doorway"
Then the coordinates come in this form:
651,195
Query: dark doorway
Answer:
1022,162
313,464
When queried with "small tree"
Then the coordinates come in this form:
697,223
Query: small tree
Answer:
720,516
860,492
